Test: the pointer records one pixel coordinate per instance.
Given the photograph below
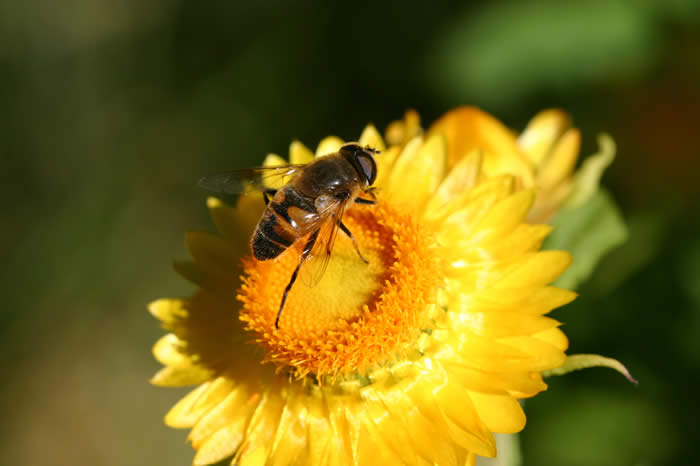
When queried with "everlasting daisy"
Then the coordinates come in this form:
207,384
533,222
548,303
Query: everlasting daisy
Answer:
417,358
543,156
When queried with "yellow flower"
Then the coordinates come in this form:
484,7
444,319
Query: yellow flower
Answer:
543,156
417,358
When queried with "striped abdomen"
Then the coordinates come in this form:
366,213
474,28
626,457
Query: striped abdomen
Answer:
287,217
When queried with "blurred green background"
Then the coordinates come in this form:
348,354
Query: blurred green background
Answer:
110,110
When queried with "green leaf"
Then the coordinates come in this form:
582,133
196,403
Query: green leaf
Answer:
588,232
587,178
576,362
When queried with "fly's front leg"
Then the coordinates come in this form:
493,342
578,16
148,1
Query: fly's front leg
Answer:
373,201
304,255
354,242
268,194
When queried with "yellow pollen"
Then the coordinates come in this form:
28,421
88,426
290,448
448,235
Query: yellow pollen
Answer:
358,316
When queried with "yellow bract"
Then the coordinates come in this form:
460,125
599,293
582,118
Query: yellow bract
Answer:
417,358
543,156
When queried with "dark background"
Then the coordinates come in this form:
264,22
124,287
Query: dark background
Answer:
110,110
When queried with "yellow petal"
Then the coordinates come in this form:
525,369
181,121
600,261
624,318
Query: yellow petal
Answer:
319,431
425,436
501,413
421,393
254,457
182,415
538,300
231,411
328,145
502,164
291,436
274,160
168,310
469,128
425,393
299,153
366,449
385,162
394,133
261,430
523,239
536,269
554,337
503,217
341,453
497,324
460,413
560,165
220,445
168,350
371,137
541,132
467,211
541,356
460,180
495,382
178,377
400,132
387,431
198,402
504,355
417,173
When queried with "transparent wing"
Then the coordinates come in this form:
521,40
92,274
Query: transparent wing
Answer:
246,180
315,266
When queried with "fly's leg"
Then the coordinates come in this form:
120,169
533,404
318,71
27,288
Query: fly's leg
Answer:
267,194
354,242
304,255
372,201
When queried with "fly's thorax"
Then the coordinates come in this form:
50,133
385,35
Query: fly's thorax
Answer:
332,175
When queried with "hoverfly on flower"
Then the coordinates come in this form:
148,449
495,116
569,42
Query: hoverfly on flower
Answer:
311,204
417,351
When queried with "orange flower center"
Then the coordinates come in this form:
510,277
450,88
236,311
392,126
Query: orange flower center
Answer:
359,315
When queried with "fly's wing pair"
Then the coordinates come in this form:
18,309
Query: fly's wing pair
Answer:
317,261
266,179
249,180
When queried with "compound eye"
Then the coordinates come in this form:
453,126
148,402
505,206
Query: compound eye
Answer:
369,168
351,147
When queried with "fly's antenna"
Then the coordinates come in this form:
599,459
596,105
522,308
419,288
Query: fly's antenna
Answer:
372,150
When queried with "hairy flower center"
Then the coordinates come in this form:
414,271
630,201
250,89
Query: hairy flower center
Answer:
359,315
